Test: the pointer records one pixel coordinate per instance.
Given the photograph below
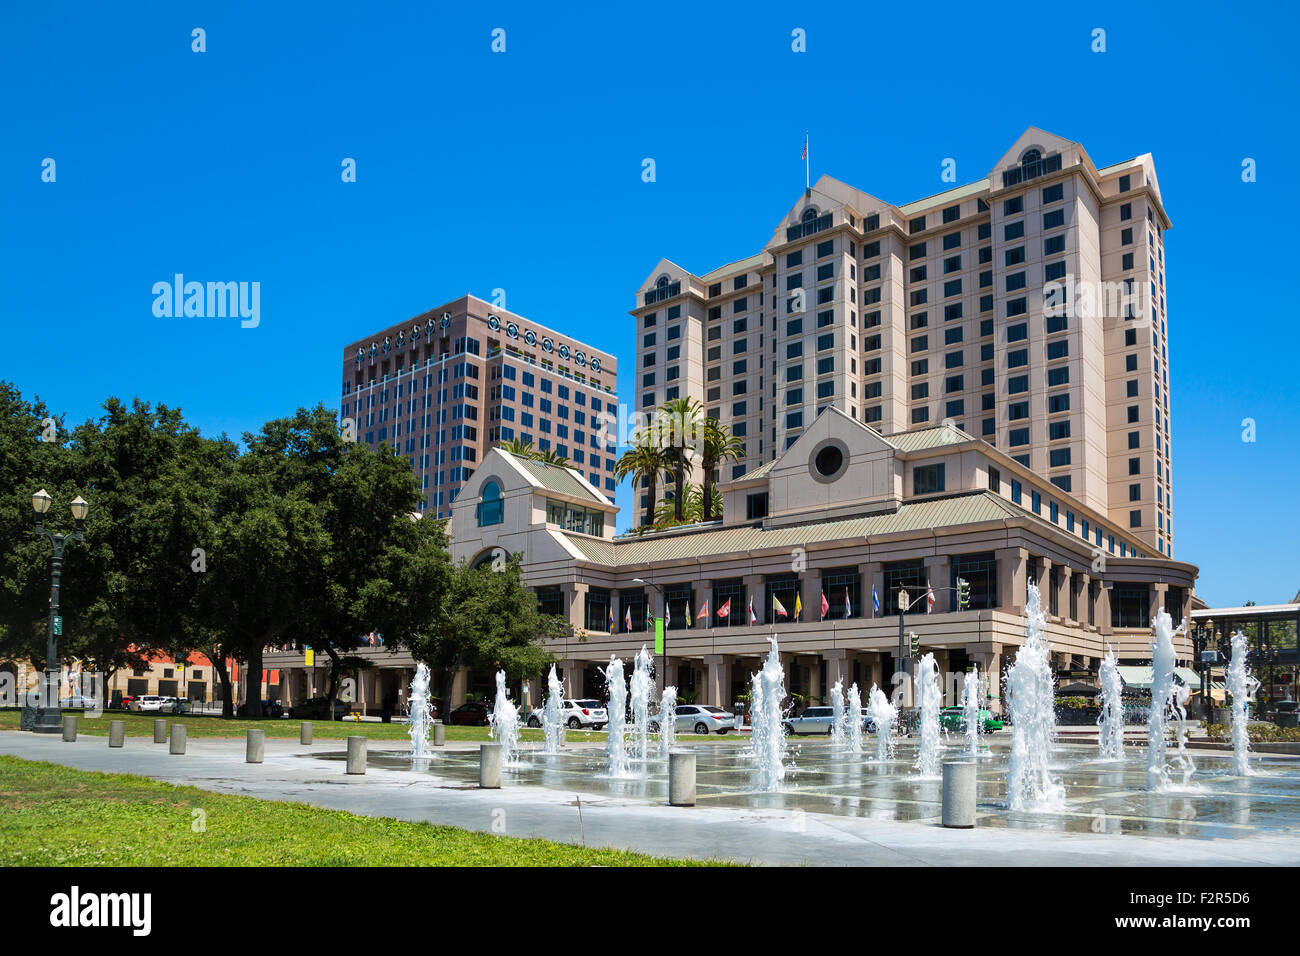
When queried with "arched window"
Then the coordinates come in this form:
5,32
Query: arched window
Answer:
809,215
661,282
491,509
1031,156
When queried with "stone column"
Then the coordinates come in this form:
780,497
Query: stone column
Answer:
1044,581
575,597
1159,594
717,680
810,589
938,569
1012,586
1067,587
1083,581
1103,608
616,609
815,688
837,668
873,581
754,589
573,678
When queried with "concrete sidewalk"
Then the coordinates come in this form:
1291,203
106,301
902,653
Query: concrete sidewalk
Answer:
743,835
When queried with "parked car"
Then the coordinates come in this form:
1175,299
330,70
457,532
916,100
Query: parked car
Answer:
698,719
814,720
146,702
317,708
472,714
575,714
177,705
954,719
122,703
79,702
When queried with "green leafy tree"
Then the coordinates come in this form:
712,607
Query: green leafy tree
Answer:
719,445
644,460
679,426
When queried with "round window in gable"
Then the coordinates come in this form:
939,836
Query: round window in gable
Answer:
829,461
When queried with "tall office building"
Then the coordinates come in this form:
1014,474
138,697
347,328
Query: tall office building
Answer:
1027,308
444,387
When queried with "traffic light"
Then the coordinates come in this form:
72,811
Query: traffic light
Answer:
963,594
916,643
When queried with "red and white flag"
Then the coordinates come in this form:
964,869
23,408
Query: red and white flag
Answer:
627,619
704,611
929,597
778,608
804,154
825,605
725,610
752,618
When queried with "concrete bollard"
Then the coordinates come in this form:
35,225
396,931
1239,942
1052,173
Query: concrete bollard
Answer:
959,794
304,733
256,746
116,733
439,735
177,744
160,731
681,778
69,728
489,766
356,755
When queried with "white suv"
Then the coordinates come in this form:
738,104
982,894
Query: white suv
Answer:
148,702
575,714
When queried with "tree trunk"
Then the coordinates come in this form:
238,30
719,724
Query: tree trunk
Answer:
253,684
223,675
652,488
681,480
334,680
707,468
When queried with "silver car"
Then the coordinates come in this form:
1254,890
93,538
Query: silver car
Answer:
698,719
575,715
814,720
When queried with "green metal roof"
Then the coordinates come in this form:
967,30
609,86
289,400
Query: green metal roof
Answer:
923,438
741,265
918,516
558,479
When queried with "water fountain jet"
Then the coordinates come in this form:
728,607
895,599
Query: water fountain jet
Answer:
505,722
1241,685
553,714
1110,723
1030,785
927,704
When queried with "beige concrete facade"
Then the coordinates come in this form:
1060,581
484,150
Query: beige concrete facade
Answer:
1027,307
863,518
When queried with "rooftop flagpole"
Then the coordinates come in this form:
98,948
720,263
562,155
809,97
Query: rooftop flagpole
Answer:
807,175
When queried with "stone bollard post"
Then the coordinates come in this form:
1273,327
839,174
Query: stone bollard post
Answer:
489,766
256,746
69,728
177,745
356,755
959,794
681,778
304,733
116,733
160,731
439,735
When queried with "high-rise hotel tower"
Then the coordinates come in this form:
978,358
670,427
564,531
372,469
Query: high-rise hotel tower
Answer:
1027,308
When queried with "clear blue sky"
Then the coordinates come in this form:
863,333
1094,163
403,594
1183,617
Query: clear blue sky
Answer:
522,171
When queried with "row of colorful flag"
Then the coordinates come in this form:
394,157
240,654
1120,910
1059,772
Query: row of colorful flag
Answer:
778,609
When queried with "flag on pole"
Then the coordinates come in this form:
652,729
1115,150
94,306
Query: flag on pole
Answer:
848,605
804,154
825,605
875,599
627,619
725,610
798,606
752,618
778,608
929,596
611,620
704,611
688,613
668,614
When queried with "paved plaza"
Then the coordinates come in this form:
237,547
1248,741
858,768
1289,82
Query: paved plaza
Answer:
830,811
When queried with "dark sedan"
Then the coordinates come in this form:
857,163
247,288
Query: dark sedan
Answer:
472,714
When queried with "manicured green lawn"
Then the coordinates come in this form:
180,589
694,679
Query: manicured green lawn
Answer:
57,816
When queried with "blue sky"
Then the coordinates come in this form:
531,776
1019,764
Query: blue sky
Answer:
522,170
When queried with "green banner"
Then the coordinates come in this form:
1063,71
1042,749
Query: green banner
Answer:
659,635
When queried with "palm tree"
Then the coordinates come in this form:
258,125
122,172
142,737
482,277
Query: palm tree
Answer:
679,423
643,460
719,446
549,457
517,446
692,508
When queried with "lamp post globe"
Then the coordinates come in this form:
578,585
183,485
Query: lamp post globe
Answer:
48,714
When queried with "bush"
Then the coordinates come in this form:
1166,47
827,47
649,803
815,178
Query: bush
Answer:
1073,703
1261,732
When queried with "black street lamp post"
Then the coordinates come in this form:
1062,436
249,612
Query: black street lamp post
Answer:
48,715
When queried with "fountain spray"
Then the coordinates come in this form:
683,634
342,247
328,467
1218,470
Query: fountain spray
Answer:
1030,785
553,714
768,740
505,722
641,685
971,710
927,703
615,745
420,712
1242,685
1110,723
883,714
837,715
667,720
1167,706
854,720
